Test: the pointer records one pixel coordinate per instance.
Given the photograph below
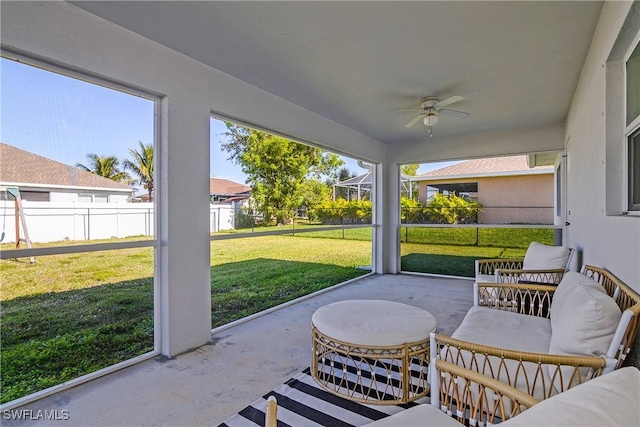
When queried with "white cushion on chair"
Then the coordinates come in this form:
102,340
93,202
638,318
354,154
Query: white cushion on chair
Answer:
608,400
508,330
545,257
583,317
498,328
420,415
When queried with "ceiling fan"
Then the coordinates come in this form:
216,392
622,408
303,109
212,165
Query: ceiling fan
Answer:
432,106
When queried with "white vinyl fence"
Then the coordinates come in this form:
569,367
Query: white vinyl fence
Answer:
57,221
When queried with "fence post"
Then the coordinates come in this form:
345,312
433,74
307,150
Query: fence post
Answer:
477,236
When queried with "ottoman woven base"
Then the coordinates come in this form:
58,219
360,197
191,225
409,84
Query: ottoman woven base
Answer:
363,370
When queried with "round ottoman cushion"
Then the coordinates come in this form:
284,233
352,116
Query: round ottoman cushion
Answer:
374,322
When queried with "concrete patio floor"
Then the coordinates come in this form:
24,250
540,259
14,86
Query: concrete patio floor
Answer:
240,364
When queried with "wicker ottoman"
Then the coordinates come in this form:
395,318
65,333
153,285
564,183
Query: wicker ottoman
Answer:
372,351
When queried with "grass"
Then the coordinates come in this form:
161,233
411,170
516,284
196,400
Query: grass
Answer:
450,260
250,275
69,315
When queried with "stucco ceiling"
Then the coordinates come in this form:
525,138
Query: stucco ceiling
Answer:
516,63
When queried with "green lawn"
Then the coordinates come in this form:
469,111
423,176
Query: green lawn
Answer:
69,315
450,260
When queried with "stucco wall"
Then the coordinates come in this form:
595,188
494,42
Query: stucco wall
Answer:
509,192
528,190
595,166
601,239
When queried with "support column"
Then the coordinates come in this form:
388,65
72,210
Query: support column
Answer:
386,241
183,278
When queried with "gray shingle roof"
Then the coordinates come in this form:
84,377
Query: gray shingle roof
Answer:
511,165
20,166
225,187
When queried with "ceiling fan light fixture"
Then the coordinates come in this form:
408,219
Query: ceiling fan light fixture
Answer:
431,119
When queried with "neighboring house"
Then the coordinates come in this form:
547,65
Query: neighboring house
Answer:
226,198
509,190
40,179
225,191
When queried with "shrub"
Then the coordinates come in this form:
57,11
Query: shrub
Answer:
452,210
341,211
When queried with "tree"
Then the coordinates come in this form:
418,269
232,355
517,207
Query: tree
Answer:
108,167
142,166
277,168
410,170
314,192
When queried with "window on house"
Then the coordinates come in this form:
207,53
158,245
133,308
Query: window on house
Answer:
101,198
633,85
634,171
632,68
84,198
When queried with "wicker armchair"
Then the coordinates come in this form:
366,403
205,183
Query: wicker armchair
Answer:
549,265
476,399
539,374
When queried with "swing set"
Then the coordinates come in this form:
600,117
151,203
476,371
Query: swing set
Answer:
5,193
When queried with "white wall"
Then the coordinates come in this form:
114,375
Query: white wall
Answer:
601,238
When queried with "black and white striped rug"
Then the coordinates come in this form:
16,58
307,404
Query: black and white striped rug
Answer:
302,402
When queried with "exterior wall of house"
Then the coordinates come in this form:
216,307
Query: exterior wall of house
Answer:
518,191
74,196
595,158
69,195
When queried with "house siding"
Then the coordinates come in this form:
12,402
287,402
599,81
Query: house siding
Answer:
595,166
515,191
605,240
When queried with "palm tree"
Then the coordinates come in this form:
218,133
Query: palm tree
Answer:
108,167
142,166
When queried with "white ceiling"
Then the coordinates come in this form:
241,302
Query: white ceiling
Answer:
516,63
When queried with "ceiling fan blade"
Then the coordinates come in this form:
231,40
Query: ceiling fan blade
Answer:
454,113
448,101
408,109
415,120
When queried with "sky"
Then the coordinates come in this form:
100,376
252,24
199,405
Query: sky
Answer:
65,119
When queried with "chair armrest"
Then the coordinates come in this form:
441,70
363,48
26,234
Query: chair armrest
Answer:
537,374
489,266
533,299
484,398
549,276
271,416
